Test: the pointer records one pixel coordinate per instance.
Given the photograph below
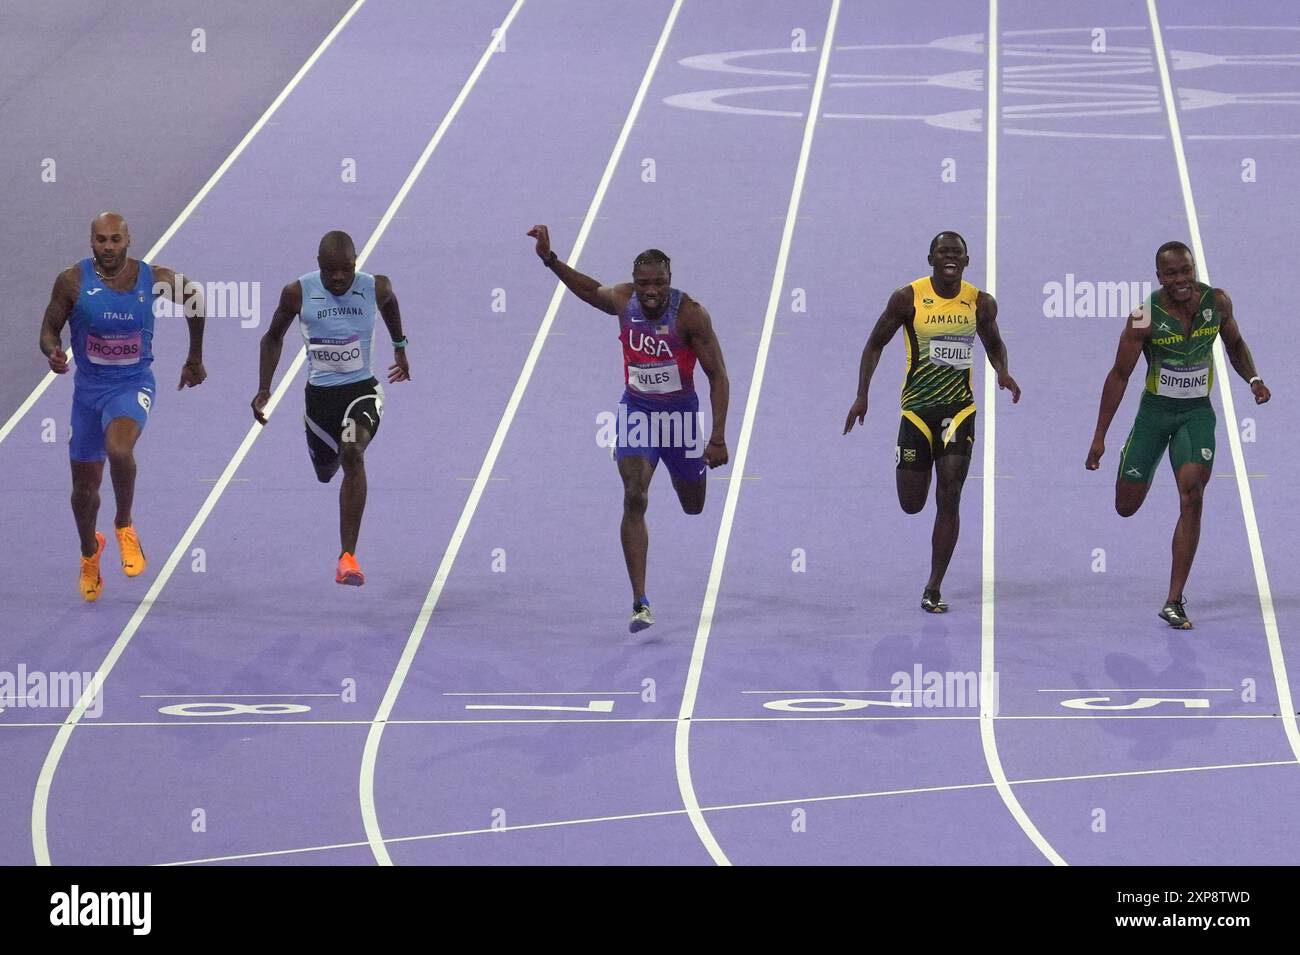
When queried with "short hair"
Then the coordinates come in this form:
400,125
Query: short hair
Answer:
934,243
336,241
652,257
1174,246
108,215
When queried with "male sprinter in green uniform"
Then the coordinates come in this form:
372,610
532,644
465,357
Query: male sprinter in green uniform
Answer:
1175,329
941,315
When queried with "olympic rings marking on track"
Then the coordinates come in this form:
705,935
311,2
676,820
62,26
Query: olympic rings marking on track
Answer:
233,709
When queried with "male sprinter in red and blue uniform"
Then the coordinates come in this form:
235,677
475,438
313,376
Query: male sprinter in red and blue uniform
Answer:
663,332
109,299
336,306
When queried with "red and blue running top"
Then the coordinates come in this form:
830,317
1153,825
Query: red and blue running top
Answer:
658,367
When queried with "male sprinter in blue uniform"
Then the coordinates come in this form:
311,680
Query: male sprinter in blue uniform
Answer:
336,305
940,314
663,332
109,299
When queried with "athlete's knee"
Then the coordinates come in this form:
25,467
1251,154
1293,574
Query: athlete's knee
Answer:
325,472
912,505
1129,497
119,454
1191,496
352,456
948,497
84,494
635,501
691,506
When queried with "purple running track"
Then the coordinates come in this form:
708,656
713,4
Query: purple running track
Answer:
819,593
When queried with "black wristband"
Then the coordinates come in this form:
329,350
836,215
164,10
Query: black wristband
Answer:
554,257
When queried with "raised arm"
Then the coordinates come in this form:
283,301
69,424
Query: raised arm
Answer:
696,329
172,284
1235,345
399,370
986,326
1136,331
63,297
897,311
603,297
285,312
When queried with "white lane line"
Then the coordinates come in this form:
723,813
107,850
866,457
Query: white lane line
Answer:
41,799
370,754
988,657
229,696
683,740
277,721
731,807
152,254
594,706
1229,408
553,693
826,692
1149,689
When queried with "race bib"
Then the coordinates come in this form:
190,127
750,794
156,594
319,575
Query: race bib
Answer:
950,351
121,350
654,379
341,355
1190,382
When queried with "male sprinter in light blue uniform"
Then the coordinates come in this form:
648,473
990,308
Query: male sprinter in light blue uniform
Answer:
344,401
110,299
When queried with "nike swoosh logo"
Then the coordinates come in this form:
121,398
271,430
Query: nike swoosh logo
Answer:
94,291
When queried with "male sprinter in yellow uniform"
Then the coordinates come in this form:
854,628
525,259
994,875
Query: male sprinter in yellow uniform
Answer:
941,315
1175,329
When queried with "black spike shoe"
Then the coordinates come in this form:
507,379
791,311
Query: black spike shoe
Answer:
1175,614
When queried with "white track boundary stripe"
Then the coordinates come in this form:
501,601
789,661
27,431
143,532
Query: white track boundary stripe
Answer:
166,237
988,658
608,720
40,801
662,813
370,754
1285,701
682,745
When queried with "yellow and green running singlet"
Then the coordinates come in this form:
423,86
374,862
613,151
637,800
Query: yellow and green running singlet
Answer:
940,347
1181,365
